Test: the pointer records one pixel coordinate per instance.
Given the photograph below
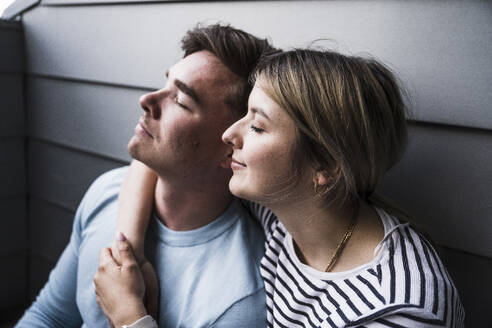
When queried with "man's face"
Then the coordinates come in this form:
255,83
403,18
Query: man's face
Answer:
180,129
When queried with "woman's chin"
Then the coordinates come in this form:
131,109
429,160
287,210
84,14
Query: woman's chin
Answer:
238,189
234,188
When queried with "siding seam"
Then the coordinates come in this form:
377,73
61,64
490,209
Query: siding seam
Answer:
12,197
53,203
20,252
466,253
80,3
448,126
77,150
44,257
33,75
12,137
7,72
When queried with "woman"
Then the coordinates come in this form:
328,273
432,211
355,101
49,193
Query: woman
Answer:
321,130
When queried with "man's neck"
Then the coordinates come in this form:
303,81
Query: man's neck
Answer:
183,208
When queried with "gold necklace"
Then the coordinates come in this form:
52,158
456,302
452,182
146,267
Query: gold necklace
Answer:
345,238
341,244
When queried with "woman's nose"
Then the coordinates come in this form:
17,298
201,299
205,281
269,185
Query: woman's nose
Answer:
232,137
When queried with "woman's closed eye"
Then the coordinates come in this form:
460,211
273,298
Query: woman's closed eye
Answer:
256,129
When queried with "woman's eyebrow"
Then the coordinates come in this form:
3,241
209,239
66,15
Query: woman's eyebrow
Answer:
259,111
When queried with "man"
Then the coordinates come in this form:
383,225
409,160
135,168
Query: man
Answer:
203,245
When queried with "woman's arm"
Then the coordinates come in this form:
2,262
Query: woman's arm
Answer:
134,208
135,205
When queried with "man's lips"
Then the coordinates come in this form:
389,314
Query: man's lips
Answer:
142,129
235,165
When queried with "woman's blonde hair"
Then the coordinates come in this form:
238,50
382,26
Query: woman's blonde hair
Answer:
349,114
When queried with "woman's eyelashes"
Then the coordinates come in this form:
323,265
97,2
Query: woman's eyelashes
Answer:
256,129
253,122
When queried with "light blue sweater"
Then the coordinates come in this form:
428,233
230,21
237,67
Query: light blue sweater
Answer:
208,277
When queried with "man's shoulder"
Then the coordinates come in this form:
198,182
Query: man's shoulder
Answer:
102,192
107,180
246,248
254,233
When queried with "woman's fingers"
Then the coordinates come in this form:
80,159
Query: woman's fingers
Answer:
106,259
106,264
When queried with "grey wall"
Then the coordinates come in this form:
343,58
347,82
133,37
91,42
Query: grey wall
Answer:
13,242
87,65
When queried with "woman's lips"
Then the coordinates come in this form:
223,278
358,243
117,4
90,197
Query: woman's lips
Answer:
235,165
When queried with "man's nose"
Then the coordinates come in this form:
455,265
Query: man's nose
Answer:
151,103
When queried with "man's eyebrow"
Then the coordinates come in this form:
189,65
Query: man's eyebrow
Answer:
187,90
259,111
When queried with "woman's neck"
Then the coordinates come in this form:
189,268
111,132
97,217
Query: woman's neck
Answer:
317,231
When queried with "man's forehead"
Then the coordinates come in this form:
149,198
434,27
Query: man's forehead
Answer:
201,65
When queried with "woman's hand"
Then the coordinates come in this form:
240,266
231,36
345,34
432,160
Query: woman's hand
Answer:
120,289
151,297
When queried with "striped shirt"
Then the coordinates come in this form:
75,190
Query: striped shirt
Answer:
405,285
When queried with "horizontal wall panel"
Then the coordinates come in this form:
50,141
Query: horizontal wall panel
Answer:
61,175
12,167
49,228
445,181
39,271
11,47
13,281
11,105
83,2
441,49
471,275
13,230
95,118
18,7
10,24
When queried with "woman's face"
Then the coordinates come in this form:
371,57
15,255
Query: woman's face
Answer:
263,142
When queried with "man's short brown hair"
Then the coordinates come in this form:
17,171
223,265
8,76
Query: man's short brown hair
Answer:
237,50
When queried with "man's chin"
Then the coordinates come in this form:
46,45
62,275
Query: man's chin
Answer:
136,152
132,149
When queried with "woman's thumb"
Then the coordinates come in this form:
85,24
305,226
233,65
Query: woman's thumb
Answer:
125,249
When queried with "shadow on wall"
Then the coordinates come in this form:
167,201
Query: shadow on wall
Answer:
440,183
